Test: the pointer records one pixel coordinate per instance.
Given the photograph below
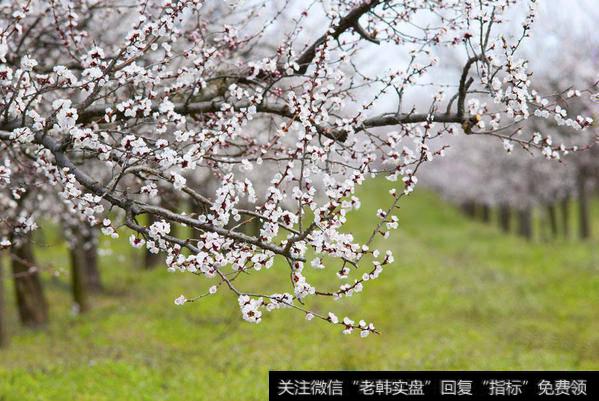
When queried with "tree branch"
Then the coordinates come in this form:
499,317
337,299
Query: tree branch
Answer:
349,21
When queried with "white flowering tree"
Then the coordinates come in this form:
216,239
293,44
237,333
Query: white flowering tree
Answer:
115,104
475,172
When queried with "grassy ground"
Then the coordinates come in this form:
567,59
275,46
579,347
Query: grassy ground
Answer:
459,296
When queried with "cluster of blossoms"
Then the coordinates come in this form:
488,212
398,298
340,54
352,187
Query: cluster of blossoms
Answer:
250,308
266,138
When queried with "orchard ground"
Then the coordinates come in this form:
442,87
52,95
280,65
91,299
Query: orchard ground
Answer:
460,295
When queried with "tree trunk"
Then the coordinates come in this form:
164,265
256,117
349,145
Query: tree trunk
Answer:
78,280
485,213
552,216
3,333
565,214
92,271
31,302
151,259
584,225
469,208
504,218
525,223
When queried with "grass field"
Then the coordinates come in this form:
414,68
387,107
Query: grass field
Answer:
459,296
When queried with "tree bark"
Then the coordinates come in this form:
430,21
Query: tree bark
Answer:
525,223
469,208
3,333
92,271
584,223
565,214
485,213
552,216
504,218
79,283
31,302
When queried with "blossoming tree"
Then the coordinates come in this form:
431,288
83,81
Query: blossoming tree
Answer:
474,171
115,104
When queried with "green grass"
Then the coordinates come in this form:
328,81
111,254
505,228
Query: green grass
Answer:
459,296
